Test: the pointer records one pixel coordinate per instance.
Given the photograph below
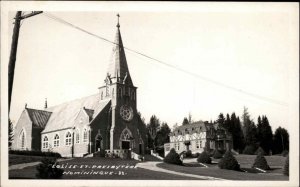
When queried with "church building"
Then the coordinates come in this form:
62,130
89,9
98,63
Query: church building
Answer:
106,121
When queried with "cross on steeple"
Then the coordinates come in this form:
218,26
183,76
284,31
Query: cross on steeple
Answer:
118,15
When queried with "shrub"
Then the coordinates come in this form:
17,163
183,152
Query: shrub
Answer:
229,162
286,166
47,169
260,151
196,155
188,154
204,158
285,153
249,150
173,158
35,153
217,154
261,162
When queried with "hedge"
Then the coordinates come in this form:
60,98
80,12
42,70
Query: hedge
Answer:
229,162
261,162
35,153
173,158
204,158
47,171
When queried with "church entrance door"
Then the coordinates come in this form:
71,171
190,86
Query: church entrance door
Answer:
125,144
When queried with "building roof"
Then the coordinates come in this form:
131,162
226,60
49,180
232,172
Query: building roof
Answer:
118,68
63,115
89,112
39,118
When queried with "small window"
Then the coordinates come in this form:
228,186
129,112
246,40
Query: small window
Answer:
85,136
45,143
102,95
56,141
197,144
77,136
22,140
68,138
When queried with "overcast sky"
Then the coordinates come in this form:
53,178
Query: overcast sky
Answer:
254,51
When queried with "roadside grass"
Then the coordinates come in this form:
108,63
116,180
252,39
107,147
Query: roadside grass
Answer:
20,159
276,163
221,173
118,174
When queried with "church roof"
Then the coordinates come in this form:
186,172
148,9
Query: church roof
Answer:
118,68
39,118
63,115
89,112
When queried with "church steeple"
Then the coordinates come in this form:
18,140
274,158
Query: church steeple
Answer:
118,69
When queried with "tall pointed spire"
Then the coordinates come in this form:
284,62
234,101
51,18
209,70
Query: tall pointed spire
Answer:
118,68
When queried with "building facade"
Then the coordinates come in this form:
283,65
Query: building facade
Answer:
108,120
198,137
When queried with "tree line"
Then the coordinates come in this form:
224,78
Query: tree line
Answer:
247,136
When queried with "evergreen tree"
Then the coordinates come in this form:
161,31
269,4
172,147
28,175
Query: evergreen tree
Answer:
249,129
185,121
10,133
265,135
280,140
237,134
163,134
221,120
228,125
153,127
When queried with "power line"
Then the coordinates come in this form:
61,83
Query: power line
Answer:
167,64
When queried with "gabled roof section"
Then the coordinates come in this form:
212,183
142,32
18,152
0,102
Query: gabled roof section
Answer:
118,69
63,115
89,112
39,118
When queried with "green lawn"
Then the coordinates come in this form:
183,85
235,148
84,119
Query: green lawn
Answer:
276,163
129,173
20,159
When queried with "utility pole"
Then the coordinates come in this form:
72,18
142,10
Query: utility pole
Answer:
13,51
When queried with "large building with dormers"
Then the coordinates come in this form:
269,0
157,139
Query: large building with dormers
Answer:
198,137
107,120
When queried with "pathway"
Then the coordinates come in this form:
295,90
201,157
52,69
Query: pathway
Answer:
153,166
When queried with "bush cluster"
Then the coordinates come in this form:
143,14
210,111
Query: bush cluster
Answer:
188,154
260,151
249,150
204,158
217,154
229,162
47,171
173,158
35,153
261,162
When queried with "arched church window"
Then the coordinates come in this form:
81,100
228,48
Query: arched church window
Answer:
22,140
56,140
77,136
85,135
45,142
126,135
68,138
